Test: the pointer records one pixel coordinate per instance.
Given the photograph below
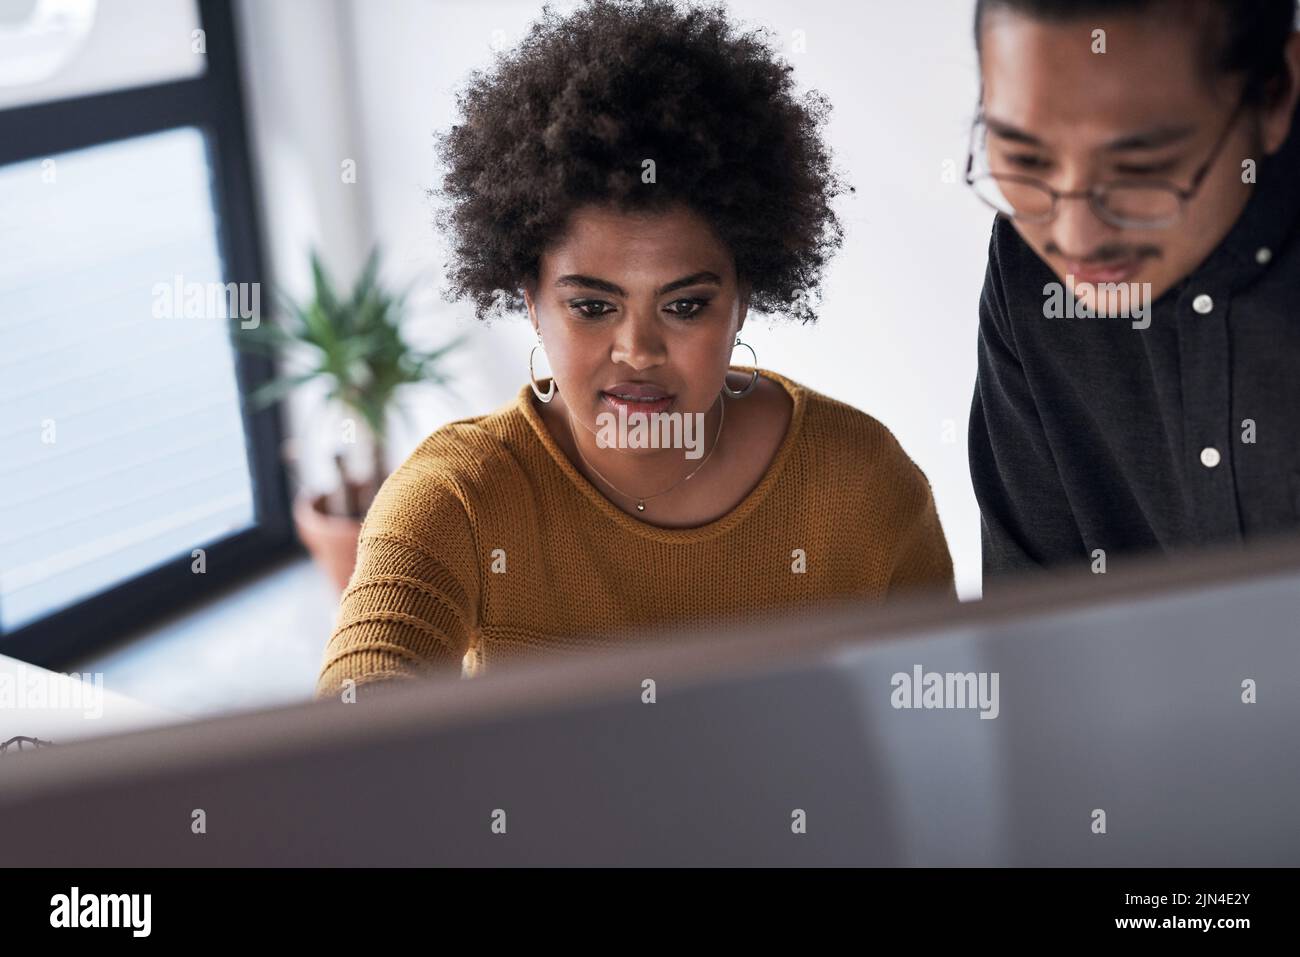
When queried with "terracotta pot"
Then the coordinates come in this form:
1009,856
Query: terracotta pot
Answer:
331,540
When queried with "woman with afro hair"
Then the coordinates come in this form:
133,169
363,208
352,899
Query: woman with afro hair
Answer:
636,176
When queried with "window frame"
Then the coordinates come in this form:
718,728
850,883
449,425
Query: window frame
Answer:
213,102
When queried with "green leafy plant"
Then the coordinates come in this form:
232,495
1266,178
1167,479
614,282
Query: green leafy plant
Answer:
352,341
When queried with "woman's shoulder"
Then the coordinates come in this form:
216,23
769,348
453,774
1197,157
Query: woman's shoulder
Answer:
458,467
465,446
853,443
836,424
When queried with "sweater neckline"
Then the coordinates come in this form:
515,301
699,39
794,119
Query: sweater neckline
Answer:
719,525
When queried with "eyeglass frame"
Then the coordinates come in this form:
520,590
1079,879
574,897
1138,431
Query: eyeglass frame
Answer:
1097,192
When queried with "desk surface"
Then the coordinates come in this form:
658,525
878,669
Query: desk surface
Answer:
54,707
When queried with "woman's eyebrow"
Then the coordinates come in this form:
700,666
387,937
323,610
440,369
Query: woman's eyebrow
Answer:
604,285
590,282
694,279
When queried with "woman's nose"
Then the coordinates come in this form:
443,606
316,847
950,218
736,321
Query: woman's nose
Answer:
638,340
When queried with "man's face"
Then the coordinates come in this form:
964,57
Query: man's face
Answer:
1147,109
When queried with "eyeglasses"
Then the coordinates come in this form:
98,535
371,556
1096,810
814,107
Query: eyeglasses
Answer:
1126,203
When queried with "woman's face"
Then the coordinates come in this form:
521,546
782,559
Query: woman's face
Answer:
637,311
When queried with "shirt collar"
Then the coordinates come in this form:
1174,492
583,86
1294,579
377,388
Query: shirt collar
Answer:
1268,219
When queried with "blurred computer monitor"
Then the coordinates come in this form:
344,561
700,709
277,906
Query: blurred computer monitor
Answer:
1145,720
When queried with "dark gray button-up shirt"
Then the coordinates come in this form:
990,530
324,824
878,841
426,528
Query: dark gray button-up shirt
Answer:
1089,433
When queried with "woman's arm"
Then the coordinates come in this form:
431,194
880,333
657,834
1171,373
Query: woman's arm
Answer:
923,559
410,608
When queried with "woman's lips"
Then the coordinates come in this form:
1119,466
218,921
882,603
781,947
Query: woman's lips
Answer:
646,403
1113,272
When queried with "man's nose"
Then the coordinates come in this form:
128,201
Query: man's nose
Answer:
1077,229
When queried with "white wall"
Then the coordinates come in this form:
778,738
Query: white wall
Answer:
373,79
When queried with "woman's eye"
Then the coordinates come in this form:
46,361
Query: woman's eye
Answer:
590,308
685,308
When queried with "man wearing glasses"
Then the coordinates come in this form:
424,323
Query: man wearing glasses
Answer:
1145,161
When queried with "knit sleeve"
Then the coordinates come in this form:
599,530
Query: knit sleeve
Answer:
410,608
922,559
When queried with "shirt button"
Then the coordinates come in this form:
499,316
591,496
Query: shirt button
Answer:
1203,304
1263,254
1209,457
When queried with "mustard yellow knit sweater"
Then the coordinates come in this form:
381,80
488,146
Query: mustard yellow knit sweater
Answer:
487,545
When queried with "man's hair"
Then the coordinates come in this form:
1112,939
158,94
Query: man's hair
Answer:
1249,35
570,115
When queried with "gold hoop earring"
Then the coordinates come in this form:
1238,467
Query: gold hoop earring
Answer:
753,379
549,394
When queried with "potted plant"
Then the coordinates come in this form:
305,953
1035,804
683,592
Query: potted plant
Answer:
353,342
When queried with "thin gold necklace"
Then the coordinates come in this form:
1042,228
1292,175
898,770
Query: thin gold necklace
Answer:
642,499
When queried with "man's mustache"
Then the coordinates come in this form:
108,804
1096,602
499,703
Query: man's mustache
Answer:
1107,254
